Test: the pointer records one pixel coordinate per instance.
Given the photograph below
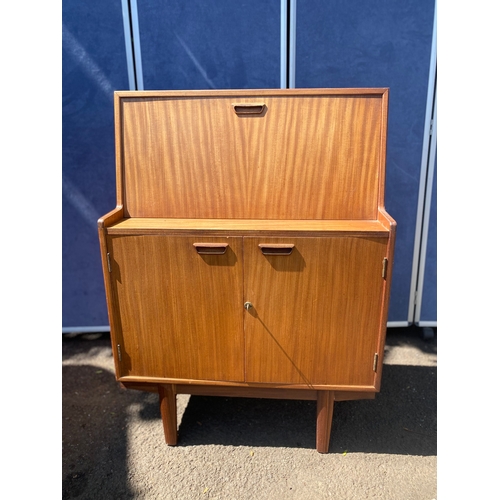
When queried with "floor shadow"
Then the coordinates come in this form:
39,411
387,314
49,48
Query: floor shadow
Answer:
412,336
248,422
401,420
85,344
94,423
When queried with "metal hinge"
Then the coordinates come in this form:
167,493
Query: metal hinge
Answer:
375,362
384,267
108,257
118,348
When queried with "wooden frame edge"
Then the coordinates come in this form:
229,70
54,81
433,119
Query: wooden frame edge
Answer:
391,225
250,392
131,379
381,91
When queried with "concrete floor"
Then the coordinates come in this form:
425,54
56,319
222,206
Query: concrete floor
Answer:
235,448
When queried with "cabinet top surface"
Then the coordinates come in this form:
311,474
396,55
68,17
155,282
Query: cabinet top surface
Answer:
139,225
281,154
145,94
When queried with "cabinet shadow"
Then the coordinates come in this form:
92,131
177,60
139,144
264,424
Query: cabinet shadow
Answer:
401,420
229,258
292,263
94,436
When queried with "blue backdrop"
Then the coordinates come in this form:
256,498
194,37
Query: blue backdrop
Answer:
94,65
227,44
378,44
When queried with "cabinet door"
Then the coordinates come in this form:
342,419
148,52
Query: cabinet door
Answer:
177,314
316,313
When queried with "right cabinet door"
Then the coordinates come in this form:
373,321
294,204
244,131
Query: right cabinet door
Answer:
316,312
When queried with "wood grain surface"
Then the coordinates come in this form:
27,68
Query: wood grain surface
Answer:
306,157
316,313
178,314
245,227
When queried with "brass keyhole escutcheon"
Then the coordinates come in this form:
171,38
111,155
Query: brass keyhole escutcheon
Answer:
248,306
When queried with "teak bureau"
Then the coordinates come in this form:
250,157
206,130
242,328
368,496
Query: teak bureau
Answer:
249,253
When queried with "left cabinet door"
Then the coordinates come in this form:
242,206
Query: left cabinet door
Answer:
177,309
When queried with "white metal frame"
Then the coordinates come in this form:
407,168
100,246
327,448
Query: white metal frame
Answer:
292,44
397,324
128,45
86,329
283,43
137,44
425,227
133,49
288,44
425,194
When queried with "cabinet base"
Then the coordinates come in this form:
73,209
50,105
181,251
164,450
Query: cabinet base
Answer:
324,414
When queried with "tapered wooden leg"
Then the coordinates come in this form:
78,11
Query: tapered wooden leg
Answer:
168,409
324,416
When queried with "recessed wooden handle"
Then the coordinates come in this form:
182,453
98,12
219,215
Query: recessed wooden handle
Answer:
249,108
276,248
211,248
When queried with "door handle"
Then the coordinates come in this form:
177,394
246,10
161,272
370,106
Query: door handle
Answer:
244,109
211,248
276,248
